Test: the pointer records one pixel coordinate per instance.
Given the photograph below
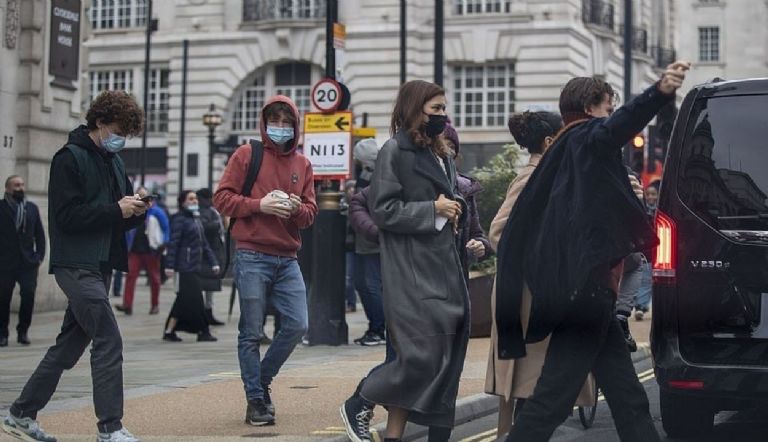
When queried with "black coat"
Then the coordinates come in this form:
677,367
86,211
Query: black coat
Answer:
21,249
577,212
188,244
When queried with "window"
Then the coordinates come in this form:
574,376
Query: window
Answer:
469,7
193,161
709,43
157,118
483,96
293,80
254,10
246,114
119,80
110,14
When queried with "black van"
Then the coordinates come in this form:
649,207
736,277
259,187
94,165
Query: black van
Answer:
709,335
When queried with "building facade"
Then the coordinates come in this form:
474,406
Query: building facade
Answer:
500,56
40,100
723,38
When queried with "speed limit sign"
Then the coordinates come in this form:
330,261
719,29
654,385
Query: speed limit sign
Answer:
326,95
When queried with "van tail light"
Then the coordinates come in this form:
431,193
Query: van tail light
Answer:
666,252
687,385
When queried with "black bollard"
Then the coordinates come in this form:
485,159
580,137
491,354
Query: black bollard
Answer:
327,322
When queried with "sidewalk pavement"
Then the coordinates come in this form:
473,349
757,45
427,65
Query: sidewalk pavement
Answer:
192,392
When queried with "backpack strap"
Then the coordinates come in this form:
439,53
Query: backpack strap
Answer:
257,156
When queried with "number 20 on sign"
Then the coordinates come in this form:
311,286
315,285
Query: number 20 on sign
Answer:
326,95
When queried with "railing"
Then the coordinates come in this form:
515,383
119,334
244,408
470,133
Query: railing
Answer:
639,39
598,13
257,10
663,56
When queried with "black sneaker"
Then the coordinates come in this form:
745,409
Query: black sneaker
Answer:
357,415
206,337
257,415
361,338
624,323
171,337
23,339
268,399
373,339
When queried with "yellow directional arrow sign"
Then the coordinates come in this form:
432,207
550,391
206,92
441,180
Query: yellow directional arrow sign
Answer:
335,122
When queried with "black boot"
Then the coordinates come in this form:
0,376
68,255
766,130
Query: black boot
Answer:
210,318
23,339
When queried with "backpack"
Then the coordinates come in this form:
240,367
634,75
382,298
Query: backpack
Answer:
257,155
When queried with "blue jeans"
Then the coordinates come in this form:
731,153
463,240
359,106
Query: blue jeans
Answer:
368,285
349,281
635,289
258,276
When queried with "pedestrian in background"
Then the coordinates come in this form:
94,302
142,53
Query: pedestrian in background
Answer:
513,380
213,226
471,241
269,218
415,203
90,207
577,218
146,244
367,277
187,251
22,249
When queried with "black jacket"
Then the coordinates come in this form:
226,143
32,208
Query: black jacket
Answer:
577,212
81,227
25,248
188,244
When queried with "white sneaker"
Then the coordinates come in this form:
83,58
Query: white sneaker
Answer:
26,429
121,435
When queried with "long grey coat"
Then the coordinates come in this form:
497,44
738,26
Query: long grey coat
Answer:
425,295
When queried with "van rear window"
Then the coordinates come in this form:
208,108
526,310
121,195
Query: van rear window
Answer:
723,174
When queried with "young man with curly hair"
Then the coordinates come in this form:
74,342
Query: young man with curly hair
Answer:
91,205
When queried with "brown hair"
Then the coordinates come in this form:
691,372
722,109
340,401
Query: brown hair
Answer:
277,109
408,111
581,93
530,129
116,106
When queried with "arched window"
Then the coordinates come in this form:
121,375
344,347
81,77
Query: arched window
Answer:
293,79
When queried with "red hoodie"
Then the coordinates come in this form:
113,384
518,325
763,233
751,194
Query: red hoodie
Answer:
288,171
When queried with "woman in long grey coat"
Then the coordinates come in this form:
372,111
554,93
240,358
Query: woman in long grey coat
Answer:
414,202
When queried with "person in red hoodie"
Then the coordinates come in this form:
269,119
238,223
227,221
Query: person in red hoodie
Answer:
281,202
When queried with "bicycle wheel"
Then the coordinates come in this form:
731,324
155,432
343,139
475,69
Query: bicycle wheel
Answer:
587,414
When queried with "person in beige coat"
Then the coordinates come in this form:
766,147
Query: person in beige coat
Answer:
514,379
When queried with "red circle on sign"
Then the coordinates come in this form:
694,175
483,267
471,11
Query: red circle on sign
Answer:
326,95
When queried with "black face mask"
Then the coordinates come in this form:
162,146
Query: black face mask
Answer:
436,125
18,195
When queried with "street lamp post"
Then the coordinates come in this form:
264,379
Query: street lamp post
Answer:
212,120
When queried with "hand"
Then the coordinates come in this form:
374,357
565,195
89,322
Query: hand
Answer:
169,273
295,203
130,206
275,206
636,187
476,247
673,77
447,208
216,269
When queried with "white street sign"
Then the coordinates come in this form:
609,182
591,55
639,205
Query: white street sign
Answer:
326,95
329,153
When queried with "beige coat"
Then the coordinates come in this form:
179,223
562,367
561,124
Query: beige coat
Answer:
516,378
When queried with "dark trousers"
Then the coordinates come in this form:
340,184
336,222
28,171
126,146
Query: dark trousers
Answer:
589,339
367,279
89,318
27,280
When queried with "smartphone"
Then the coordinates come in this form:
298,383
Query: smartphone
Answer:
148,198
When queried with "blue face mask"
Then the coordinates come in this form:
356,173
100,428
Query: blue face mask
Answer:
193,208
113,143
280,135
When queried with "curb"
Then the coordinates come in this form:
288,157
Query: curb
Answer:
470,408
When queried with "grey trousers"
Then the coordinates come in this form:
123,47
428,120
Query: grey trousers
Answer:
88,319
